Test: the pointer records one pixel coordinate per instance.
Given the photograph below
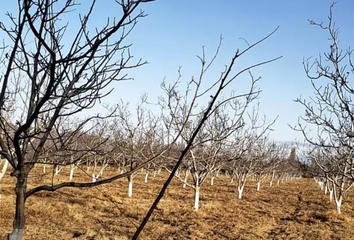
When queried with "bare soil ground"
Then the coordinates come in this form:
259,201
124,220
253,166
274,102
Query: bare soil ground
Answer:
294,210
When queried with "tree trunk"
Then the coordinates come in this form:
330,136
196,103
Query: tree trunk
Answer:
146,176
211,181
326,187
339,204
4,168
185,179
57,170
3,171
196,197
271,180
321,185
94,178
240,190
19,221
130,190
258,185
44,169
72,168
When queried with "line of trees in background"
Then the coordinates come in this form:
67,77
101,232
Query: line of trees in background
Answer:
53,76
196,130
330,116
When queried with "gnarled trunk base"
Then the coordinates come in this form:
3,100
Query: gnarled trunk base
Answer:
19,221
16,234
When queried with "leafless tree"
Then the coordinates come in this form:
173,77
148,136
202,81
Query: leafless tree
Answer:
247,147
206,156
137,137
62,80
269,156
198,91
276,158
335,174
330,112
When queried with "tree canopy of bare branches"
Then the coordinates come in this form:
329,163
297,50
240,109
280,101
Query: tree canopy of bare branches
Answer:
56,73
328,122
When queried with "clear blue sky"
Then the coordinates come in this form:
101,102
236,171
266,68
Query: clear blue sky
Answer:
175,30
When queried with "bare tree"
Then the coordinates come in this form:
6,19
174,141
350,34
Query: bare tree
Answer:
137,137
335,174
197,92
267,161
247,147
276,157
206,156
330,111
62,80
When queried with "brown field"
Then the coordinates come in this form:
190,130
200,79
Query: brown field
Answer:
295,210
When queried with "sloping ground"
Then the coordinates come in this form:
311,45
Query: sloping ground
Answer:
295,210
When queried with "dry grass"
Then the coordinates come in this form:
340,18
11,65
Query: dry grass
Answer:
296,210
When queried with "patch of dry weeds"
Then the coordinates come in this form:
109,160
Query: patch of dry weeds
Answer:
296,210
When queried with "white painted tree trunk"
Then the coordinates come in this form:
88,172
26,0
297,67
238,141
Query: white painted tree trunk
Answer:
155,173
321,185
326,188
94,178
211,181
271,180
232,179
3,171
240,190
339,204
146,177
58,170
4,168
258,185
331,195
185,179
130,188
72,168
178,172
44,169
196,197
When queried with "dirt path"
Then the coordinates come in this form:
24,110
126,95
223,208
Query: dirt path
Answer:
312,216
